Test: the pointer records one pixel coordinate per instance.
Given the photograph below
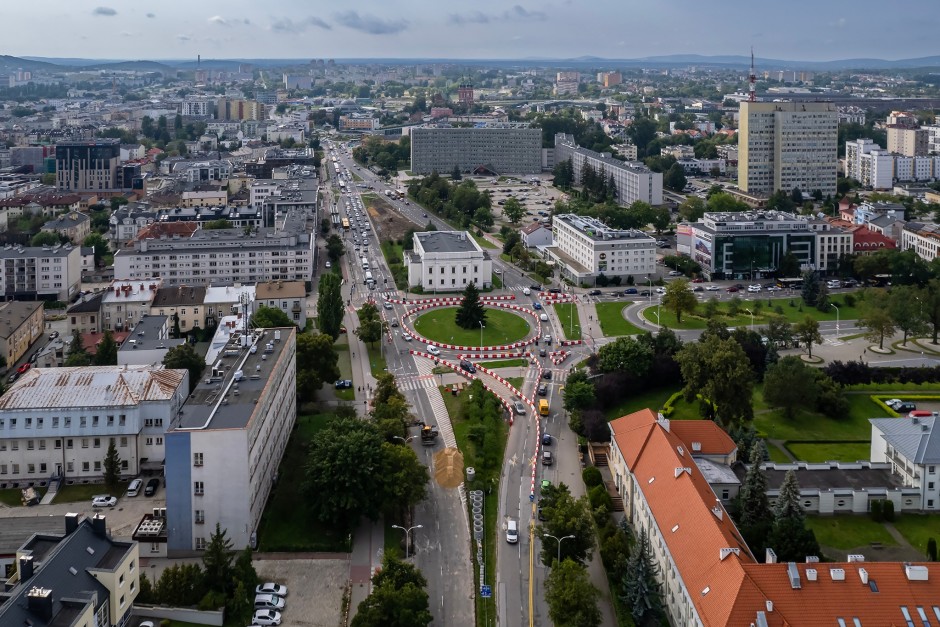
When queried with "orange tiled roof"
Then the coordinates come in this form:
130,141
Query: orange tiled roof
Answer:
155,230
712,439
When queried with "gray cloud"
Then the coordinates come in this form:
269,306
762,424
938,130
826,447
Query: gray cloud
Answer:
151,15
370,24
218,20
474,17
184,38
106,11
519,12
287,25
516,13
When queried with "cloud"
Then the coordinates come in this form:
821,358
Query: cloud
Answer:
839,23
106,11
519,12
184,38
218,20
151,15
370,24
516,13
287,25
474,17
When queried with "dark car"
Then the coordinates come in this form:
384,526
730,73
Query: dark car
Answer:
547,375
555,290
152,487
630,290
594,293
543,390
905,407
546,439
645,293
469,367
536,287
733,289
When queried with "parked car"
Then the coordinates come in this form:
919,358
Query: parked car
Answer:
512,531
629,291
328,265
893,402
13,377
905,407
266,617
24,367
271,588
53,335
154,484
269,602
134,488
675,273
434,350
104,500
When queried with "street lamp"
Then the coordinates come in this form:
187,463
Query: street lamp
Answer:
651,288
752,317
558,540
405,440
837,317
482,326
407,531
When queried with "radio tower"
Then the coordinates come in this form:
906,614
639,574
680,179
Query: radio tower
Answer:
752,81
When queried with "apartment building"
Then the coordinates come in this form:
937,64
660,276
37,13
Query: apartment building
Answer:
88,166
228,300
922,238
288,296
80,577
783,145
148,343
504,149
907,141
443,261
57,422
356,122
584,248
21,324
224,256
869,163
609,79
182,303
566,83
84,315
238,217
33,272
73,225
634,181
205,197
709,576
224,446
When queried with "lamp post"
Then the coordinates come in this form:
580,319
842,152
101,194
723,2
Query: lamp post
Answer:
482,326
650,279
558,540
752,317
837,317
405,440
407,532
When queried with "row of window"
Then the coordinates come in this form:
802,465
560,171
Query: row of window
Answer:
39,421
31,445
14,469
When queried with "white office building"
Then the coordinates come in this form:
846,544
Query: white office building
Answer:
584,248
634,181
57,422
36,272
912,447
225,444
924,239
446,261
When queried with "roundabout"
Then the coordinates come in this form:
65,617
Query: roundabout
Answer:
502,327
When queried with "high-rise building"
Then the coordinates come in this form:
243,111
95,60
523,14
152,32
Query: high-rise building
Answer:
633,181
502,149
910,142
566,83
88,166
783,145
609,79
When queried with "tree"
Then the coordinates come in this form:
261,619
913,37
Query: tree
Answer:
510,240
788,501
692,209
513,210
317,363
398,599
325,226
930,297
406,479
875,317
717,368
792,541
572,599
789,265
77,355
807,333
790,384
106,355
183,357
674,178
779,331
370,324
176,333
334,247
625,354
45,238
270,317
215,225
455,175
679,298
567,516
330,305
810,292
907,311
641,590
579,391
217,562
796,196
471,313
112,467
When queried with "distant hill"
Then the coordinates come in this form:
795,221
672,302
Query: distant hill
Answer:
140,66
12,63
745,61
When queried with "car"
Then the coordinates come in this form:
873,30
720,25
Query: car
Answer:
519,406
547,458
536,287
266,617
53,335
543,352
555,290
104,500
711,287
536,305
269,602
512,531
733,289
698,288
545,485
134,488
154,484
543,390
660,290
526,291
406,336
328,265
387,305
753,288
543,317
630,290
675,273
434,350
33,358
905,407
393,324
13,377
547,375
773,288
849,283
698,280
594,293
424,215
271,588
646,293
342,330
546,439
24,367
893,402
469,367
547,338
834,284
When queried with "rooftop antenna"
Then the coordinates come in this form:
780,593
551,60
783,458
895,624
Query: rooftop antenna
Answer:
752,81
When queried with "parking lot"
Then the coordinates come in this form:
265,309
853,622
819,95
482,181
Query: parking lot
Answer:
315,588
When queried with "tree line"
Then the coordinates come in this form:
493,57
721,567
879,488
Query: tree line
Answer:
460,203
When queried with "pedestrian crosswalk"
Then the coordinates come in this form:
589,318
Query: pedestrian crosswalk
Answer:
419,382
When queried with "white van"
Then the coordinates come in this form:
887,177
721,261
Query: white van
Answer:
134,488
512,531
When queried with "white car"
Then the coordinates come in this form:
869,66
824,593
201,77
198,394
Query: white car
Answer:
269,602
271,588
526,291
893,402
266,617
712,287
104,500
753,288
434,350
543,317
406,337
328,265
660,290
497,271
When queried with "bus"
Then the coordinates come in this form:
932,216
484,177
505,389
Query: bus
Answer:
543,407
369,280
365,263
790,284
346,224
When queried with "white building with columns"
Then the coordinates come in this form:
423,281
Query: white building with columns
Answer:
447,261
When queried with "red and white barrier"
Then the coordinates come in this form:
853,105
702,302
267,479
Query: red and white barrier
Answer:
558,356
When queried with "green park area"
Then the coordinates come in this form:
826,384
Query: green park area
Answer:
501,327
569,320
610,317
505,363
737,312
847,532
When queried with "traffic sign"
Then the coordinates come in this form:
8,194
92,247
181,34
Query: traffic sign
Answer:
486,591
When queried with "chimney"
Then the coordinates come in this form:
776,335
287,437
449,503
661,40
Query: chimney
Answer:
39,602
770,557
98,524
71,522
26,567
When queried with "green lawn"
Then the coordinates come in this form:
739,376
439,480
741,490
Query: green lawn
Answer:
653,399
776,454
610,316
356,178
809,425
497,281
393,257
394,540
848,531
830,452
917,528
505,363
483,242
569,320
761,313
501,327
516,382
12,497
286,525
376,359
85,491
344,362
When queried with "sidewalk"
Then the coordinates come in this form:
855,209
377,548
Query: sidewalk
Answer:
367,550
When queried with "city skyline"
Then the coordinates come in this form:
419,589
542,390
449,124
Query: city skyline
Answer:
486,30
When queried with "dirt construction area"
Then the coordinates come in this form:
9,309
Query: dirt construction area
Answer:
388,223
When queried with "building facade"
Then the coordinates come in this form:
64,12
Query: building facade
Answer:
912,447
585,248
500,150
924,239
40,272
57,422
786,145
88,166
183,305
125,303
21,324
287,296
224,447
634,181
73,225
907,141
447,261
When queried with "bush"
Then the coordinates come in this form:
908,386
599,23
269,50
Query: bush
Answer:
600,499
849,300
931,549
889,511
592,477
877,512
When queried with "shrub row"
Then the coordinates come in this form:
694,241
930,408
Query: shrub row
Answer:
857,372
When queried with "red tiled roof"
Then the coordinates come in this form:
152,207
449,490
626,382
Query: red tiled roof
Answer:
712,439
864,240
91,340
157,229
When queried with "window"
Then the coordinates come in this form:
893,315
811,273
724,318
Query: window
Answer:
159,441
39,422
931,469
68,422
197,459
200,544
200,516
42,445
16,469
97,466
198,488
86,466
84,442
94,421
121,419
82,422
29,423
97,442
58,444
149,441
70,467
30,469
29,445
124,442
69,443
110,421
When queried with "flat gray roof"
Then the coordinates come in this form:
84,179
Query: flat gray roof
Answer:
146,335
447,242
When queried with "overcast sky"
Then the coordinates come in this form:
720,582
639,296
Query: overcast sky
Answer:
793,29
